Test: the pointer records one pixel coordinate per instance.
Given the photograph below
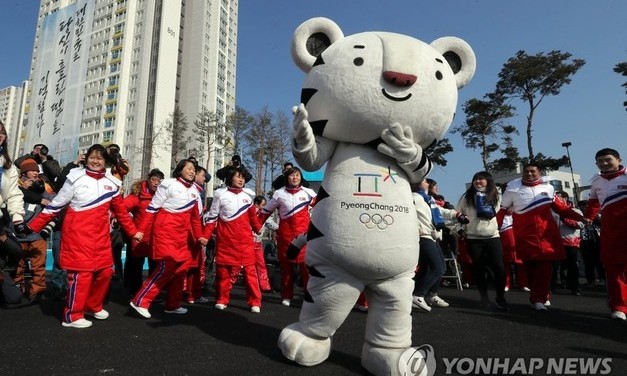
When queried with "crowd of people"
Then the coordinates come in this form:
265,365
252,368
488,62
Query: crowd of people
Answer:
523,232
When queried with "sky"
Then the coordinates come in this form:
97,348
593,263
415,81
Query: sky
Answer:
588,112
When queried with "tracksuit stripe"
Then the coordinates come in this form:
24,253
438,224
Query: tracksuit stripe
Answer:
153,280
71,298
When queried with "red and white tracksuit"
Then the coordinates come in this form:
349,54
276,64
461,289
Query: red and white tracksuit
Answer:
234,216
137,204
293,205
510,258
85,250
260,264
196,262
172,214
537,237
609,195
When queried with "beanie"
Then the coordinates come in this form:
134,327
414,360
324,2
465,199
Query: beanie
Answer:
29,164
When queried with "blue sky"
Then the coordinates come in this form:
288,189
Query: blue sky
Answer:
588,112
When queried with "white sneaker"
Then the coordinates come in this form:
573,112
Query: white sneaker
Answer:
100,315
547,303
618,315
436,301
286,302
527,289
79,324
202,300
220,306
142,311
506,289
255,309
539,307
419,302
178,311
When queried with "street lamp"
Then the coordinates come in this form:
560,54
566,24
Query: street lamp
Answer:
572,175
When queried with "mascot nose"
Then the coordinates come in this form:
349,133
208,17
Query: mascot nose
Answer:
399,79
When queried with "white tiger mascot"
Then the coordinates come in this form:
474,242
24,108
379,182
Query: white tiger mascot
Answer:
370,104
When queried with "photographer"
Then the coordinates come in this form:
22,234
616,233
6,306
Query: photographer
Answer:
33,245
118,165
49,166
10,253
235,162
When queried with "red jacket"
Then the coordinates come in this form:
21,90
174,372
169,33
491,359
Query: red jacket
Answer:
233,214
293,204
536,233
196,250
172,214
85,239
136,204
608,194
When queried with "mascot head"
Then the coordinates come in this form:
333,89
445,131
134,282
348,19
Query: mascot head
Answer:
357,86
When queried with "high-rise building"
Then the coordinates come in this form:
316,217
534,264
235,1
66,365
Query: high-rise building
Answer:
12,101
113,71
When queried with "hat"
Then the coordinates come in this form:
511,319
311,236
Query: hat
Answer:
29,164
236,158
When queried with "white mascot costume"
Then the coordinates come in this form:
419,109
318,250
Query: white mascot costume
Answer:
370,104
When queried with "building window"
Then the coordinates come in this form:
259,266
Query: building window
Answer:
107,136
566,184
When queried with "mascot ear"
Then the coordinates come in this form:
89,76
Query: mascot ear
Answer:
311,38
459,56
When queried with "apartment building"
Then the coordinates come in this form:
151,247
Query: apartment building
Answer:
113,71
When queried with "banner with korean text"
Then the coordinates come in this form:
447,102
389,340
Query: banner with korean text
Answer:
59,76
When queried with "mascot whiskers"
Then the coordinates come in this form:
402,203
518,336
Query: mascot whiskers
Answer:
370,104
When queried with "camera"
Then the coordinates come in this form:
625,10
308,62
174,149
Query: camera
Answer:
44,150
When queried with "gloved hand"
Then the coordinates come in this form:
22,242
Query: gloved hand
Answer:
462,218
22,229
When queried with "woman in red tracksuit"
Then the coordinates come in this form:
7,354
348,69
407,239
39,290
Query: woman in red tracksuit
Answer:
233,214
172,214
293,202
89,193
136,203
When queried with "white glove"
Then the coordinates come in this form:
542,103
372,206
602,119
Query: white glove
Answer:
398,143
302,134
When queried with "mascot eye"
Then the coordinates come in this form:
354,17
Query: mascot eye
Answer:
358,61
438,75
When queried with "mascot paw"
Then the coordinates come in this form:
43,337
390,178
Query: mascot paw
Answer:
302,349
381,361
414,361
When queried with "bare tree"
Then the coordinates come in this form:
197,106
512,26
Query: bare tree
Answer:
239,123
257,145
211,134
177,126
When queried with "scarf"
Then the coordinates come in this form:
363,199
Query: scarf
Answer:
484,209
235,190
293,190
436,216
613,174
95,174
186,183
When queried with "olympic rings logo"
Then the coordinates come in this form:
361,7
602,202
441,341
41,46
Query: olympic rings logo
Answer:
376,221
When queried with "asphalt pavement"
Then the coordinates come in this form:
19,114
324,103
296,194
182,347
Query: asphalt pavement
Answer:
206,341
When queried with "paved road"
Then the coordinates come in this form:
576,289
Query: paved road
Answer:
235,342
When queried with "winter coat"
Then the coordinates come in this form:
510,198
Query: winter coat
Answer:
85,238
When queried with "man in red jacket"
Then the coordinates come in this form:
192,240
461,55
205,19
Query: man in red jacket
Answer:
537,237
609,195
